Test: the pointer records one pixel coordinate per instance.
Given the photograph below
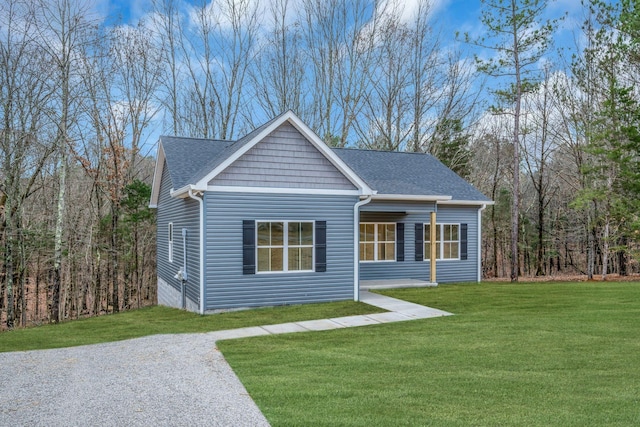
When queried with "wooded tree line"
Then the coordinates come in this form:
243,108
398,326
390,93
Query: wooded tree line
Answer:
83,97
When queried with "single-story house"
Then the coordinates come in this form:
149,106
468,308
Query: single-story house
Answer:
278,217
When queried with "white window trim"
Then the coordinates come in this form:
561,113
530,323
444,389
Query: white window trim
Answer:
170,240
376,241
439,256
285,247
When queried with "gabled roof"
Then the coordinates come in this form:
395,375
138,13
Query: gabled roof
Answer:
405,174
193,162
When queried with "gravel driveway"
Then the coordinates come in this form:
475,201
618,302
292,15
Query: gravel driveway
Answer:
175,380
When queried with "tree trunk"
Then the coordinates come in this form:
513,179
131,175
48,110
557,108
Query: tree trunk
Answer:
622,256
515,207
57,251
115,276
540,257
605,247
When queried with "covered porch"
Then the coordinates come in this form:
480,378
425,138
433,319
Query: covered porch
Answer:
396,246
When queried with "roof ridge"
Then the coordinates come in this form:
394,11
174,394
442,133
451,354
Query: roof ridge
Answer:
371,150
196,138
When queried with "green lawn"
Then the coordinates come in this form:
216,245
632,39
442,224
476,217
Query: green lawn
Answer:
526,355
164,320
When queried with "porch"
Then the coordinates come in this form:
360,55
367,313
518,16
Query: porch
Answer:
395,283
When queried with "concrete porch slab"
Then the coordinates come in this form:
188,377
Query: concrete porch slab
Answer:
395,283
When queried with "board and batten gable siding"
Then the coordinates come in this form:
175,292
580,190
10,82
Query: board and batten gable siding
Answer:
284,159
228,287
183,213
411,213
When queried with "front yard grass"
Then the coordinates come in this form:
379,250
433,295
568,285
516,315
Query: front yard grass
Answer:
165,320
559,354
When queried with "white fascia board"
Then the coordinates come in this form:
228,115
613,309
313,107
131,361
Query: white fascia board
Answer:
157,177
183,192
416,197
276,190
466,202
307,133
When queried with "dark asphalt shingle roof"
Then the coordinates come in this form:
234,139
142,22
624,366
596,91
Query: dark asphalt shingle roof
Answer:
191,159
408,173
187,156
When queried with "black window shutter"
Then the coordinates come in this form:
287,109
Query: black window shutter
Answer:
463,241
248,247
321,246
419,241
400,241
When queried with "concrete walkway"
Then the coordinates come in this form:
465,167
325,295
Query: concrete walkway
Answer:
398,311
180,379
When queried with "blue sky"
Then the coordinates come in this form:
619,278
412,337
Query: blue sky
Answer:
448,16
452,15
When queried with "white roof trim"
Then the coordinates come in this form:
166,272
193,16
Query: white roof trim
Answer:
184,191
277,190
418,197
467,202
157,177
308,134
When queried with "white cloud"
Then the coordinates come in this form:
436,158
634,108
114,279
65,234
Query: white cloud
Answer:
407,10
223,13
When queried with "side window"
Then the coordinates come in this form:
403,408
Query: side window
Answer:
170,237
283,246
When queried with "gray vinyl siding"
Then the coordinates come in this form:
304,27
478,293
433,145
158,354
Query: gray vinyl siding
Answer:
284,159
183,213
227,287
460,270
410,213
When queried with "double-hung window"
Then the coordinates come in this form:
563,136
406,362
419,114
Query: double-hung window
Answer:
284,246
377,242
447,241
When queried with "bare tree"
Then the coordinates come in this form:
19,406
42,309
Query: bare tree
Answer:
387,123
62,28
23,155
165,25
278,77
138,67
338,36
539,145
514,33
